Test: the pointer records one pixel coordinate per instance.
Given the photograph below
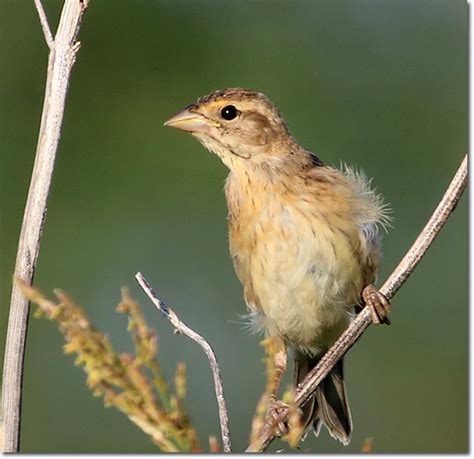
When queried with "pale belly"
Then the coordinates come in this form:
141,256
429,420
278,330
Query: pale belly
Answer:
302,277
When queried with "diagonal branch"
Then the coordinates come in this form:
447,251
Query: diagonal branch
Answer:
48,36
398,277
181,327
63,50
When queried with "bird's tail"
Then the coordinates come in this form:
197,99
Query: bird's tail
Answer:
329,405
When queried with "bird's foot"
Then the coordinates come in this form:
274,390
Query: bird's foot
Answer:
273,414
377,303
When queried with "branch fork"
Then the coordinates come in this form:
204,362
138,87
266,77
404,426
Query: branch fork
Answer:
63,49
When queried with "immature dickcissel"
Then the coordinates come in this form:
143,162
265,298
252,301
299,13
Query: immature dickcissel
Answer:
303,237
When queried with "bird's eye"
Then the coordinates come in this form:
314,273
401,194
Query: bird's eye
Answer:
229,112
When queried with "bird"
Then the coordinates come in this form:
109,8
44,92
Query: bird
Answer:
304,238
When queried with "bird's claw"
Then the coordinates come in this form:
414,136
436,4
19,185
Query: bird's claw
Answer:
273,414
377,303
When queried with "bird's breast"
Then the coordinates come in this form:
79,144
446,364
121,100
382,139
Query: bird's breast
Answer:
296,262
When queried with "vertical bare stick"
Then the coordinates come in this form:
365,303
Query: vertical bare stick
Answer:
63,50
181,327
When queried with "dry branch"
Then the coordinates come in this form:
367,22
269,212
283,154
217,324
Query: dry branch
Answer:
48,36
63,50
363,319
133,383
181,327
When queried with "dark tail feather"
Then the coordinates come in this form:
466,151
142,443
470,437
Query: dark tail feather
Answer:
329,405
303,365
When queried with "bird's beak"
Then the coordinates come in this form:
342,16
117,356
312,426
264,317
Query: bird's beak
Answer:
188,121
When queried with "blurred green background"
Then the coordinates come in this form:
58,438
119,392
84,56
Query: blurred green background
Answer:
380,85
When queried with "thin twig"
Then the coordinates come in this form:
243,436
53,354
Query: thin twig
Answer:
181,327
48,36
401,273
62,55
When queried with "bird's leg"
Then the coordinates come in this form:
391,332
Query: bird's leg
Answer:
277,354
377,303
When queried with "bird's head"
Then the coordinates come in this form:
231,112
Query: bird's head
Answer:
236,124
